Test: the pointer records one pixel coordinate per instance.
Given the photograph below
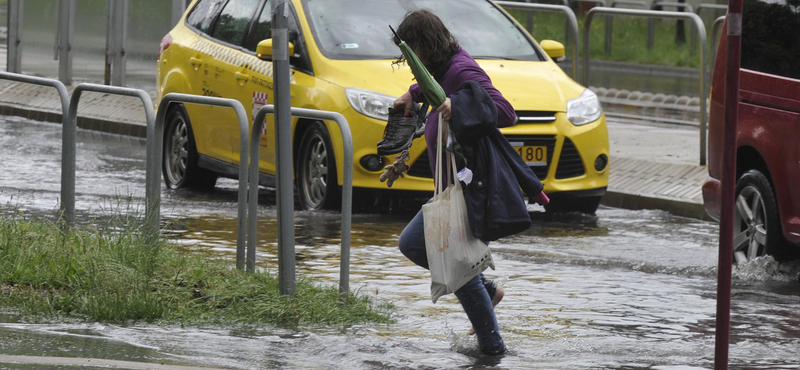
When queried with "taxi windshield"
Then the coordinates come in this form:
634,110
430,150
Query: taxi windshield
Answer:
359,29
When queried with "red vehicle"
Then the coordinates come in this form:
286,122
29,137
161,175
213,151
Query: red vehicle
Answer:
767,212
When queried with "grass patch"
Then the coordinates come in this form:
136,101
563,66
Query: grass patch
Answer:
629,38
110,273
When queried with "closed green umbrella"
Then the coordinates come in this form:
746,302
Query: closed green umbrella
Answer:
434,94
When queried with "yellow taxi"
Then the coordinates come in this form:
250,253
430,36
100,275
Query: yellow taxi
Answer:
342,61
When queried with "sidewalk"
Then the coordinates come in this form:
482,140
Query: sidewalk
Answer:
652,166
656,167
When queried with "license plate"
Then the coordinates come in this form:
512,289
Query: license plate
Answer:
533,155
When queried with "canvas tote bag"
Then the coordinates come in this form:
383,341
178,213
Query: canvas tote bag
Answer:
454,255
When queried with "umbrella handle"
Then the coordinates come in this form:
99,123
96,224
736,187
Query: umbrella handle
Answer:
423,114
399,41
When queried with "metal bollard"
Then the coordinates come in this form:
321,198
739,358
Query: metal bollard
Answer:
701,30
347,193
154,170
151,210
67,207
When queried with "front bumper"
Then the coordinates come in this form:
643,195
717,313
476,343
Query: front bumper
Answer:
711,197
571,154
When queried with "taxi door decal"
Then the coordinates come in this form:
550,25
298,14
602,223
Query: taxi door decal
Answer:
260,100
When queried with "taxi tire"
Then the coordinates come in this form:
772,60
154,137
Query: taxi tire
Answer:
316,150
194,176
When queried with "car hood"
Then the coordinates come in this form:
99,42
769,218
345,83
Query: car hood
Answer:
528,86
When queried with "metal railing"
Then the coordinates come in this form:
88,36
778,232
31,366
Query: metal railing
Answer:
657,14
610,20
651,28
715,29
68,129
710,6
154,165
597,2
151,187
571,24
287,247
563,2
713,41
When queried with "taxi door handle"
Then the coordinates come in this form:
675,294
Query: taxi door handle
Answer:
241,76
196,62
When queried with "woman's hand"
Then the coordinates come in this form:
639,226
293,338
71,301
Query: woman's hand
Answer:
404,102
445,110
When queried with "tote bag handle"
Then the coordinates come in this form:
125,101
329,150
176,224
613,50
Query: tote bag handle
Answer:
451,164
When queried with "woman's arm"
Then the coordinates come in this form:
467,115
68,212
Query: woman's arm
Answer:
416,93
506,116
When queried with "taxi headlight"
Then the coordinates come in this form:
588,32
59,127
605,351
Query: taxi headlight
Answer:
584,109
370,103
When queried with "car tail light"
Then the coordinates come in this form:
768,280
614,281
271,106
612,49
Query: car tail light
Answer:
165,43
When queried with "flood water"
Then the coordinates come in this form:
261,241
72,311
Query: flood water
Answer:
622,290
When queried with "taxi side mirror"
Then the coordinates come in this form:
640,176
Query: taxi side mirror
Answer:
554,49
264,49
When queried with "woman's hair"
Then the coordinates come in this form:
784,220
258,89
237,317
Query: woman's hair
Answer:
425,33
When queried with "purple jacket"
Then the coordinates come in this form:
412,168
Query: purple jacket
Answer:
460,68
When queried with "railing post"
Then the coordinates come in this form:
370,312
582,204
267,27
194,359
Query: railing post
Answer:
151,210
14,57
283,145
116,41
178,8
715,28
154,165
529,19
347,190
67,206
66,15
693,34
610,19
571,24
701,30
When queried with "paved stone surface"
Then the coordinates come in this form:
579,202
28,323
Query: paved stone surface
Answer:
122,115
656,167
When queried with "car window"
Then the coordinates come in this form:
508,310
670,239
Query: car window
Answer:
232,22
203,14
358,29
771,37
262,30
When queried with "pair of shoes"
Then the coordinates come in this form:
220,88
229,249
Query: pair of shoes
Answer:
397,135
498,296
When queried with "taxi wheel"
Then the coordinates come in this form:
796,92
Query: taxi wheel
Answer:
756,222
315,170
179,163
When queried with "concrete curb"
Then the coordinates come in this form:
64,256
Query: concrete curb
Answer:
86,123
637,201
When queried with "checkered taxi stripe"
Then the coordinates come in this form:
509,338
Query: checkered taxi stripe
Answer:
233,57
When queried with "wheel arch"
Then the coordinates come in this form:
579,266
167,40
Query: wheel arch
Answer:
748,158
303,125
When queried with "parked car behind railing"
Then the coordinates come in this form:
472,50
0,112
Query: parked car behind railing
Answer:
767,212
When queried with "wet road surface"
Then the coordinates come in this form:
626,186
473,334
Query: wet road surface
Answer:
622,290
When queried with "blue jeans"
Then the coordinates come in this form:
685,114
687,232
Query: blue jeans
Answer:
475,296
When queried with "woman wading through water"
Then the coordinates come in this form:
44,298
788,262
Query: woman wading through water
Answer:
453,68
